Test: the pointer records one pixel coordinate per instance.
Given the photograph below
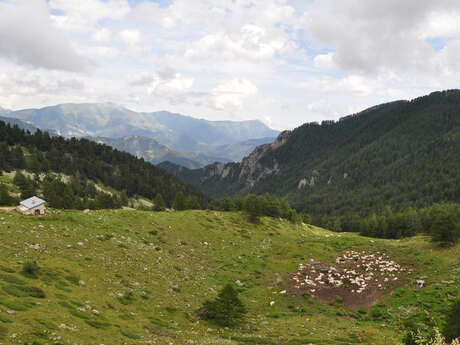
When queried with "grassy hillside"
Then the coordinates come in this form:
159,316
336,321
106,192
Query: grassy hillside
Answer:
132,277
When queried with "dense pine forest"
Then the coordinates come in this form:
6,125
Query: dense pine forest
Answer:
401,154
85,163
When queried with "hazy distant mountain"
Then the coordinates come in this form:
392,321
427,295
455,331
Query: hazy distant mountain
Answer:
154,152
4,111
108,120
237,151
21,124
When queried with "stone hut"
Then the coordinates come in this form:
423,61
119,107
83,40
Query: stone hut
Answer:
33,206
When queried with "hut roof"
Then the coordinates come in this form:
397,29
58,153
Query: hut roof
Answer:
32,202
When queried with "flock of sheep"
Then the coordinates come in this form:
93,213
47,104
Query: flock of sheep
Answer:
354,271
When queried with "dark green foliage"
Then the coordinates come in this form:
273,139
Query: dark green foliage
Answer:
24,291
179,202
441,221
25,185
159,203
412,336
226,310
452,326
33,291
256,206
31,269
445,227
84,160
401,154
97,324
130,335
5,198
75,280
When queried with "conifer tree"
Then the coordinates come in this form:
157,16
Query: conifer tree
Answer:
5,198
226,310
20,180
192,203
179,202
445,228
159,203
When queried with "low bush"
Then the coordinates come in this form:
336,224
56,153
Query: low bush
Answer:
31,269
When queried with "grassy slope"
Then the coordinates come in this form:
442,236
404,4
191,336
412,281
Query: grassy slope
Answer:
163,261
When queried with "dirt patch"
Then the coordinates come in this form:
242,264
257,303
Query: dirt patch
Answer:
356,279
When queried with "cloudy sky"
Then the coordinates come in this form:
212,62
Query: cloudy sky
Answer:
284,62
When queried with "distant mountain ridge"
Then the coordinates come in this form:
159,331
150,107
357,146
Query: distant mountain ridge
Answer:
156,136
154,152
15,122
4,111
108,120
399,154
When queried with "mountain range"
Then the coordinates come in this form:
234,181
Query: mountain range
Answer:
164,135
399,154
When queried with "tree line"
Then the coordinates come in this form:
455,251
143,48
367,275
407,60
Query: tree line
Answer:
440,221
256,206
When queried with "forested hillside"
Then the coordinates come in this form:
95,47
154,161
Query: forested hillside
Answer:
399,154
85,160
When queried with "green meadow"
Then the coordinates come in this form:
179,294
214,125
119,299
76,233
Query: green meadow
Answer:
135,277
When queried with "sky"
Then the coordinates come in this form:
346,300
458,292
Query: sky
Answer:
284,62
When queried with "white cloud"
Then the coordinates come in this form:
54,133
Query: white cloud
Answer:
27,36
84,15
100,51
251,42
325,61
20,85
165,83
231,94
102,35
353,85
130,36
289,61
377,36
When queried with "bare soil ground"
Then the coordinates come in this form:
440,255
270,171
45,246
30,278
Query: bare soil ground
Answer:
356,279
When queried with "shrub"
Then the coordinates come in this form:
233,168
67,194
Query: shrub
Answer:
31,269
130,335
434,338
75,280
452,326
445,228
226,310
33,291
97,324
24,291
